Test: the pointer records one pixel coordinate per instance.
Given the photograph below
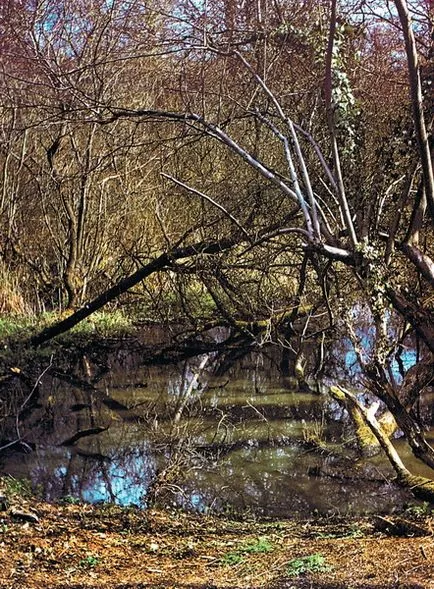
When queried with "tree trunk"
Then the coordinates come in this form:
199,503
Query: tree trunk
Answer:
421,487
422,320
163,261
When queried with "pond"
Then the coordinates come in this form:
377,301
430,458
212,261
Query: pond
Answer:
216,432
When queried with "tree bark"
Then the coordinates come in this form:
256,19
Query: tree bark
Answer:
422,320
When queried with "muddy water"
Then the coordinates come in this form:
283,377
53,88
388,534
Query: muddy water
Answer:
208,433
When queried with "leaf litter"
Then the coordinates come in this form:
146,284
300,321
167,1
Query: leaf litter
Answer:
78,546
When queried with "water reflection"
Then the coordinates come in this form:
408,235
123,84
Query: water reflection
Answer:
122,477
205,434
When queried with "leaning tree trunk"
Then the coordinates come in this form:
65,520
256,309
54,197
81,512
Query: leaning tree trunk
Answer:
160,263
421,487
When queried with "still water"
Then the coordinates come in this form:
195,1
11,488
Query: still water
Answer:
211,433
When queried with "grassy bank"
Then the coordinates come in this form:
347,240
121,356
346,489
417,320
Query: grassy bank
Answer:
15,328
16,331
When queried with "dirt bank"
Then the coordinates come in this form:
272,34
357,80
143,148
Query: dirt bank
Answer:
81,546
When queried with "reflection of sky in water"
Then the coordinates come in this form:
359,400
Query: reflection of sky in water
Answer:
117,485
365,334
270,478
197,502
124,480
408,358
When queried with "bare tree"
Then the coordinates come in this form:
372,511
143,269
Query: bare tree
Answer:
309,173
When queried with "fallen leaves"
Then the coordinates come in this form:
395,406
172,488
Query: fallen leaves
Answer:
108,547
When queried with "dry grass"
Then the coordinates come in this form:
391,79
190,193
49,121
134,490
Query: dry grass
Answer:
11,298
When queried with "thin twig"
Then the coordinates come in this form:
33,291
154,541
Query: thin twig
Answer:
210,200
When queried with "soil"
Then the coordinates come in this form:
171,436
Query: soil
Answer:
48,546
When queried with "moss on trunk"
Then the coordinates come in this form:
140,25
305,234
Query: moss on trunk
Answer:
421,487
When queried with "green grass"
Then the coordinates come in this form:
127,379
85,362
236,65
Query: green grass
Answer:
421,510
315,563
17,487
104,323
69,500
259,546
16,331
89,562
232,559
13,325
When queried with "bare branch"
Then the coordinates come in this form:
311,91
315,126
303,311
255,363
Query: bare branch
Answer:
294,137
212,131
293,174
417,102
210,200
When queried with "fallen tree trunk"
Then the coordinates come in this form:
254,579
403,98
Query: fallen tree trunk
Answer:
366,440
421,487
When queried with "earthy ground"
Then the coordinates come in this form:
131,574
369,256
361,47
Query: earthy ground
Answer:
82,546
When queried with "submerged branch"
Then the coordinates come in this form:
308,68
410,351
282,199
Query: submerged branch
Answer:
421,487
